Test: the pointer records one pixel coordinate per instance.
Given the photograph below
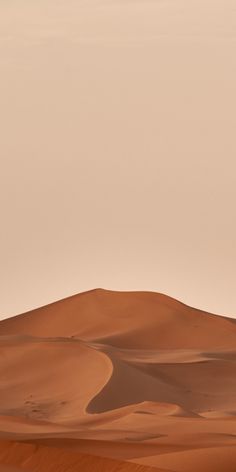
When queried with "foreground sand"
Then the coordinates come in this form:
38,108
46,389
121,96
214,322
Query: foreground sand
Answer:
126,381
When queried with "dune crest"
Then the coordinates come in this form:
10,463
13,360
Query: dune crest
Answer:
131,381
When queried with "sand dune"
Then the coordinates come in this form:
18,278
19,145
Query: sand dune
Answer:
212,459
127,320
51,459
118,381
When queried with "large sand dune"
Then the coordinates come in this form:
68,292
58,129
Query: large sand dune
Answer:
128,381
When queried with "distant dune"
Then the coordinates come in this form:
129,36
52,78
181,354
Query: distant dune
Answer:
118,381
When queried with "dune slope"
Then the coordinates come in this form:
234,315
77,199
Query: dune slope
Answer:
119,381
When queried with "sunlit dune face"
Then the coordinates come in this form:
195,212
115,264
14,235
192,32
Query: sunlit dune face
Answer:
117,170
118,381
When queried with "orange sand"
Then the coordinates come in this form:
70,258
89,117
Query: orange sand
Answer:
118,381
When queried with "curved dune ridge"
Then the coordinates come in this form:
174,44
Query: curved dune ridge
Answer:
128,381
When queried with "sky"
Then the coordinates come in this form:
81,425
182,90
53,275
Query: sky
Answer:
117,150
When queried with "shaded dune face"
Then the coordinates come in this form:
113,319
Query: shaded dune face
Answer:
197,387
133,377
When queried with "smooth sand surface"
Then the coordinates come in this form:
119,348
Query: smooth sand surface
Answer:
126,381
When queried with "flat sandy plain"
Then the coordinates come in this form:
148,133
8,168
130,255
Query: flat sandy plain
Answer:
118,381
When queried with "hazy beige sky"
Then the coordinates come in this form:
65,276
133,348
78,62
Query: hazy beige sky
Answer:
118,150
